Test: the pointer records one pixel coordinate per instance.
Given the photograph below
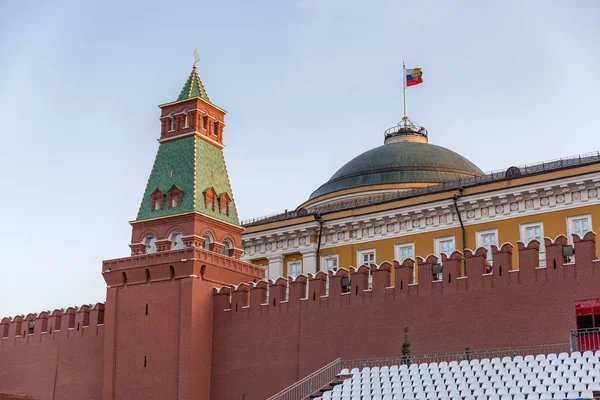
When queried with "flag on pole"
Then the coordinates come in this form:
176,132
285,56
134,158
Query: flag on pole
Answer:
196,57
414,76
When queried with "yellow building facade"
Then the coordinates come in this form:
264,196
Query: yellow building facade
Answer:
409,198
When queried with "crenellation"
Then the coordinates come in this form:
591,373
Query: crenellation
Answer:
335,286
326,289
32,327
451,270
297,290
425,274
277,291
240,297
317,288
382,279
359,279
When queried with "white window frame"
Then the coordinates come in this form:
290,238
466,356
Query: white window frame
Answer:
574,218
292,262
479,237
327,257
360,253
398,255
437,245
523,232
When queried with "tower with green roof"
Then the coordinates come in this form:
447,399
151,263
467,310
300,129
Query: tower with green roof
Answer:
186,242
189,180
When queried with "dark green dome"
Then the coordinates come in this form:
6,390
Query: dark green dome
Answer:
400,163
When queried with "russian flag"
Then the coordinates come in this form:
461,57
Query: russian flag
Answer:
414,76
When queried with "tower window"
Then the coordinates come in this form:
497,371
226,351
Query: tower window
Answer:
216,128
224,201
208,239
227,246
30,326
158,200
150,242
175,196
210,198
205,122
172,118
176,240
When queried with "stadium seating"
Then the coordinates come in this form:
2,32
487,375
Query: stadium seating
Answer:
540,377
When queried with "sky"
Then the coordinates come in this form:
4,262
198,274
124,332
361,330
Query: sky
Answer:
308,85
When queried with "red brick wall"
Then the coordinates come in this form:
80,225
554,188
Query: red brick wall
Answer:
261,349
63,365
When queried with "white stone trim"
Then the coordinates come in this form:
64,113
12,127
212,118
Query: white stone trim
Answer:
534,199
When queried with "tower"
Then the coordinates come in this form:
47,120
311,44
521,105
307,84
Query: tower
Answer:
185,241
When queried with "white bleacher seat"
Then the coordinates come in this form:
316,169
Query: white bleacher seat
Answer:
587,394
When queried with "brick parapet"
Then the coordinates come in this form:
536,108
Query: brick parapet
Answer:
481,275
174,264
59,324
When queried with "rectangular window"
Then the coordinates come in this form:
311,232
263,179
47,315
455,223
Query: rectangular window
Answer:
579,225
294,268
205,122
366,257
402,252
535,231
444,245
487,239
329,262
216,128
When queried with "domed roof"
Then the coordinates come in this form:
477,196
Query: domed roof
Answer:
401,162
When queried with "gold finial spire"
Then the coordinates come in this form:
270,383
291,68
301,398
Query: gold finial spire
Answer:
196,57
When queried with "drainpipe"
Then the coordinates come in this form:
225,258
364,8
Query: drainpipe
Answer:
320,221
462,227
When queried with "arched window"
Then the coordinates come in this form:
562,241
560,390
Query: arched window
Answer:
227,246
176,240
172,122
208,239
150,242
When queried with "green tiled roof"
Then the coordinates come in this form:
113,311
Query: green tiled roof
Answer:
193,88
193,165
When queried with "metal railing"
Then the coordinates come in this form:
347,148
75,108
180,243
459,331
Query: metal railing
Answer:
457,356
585,339
494,176
311,384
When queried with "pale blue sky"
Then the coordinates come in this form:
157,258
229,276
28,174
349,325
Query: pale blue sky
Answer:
308,84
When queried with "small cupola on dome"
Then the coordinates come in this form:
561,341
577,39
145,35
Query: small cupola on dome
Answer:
406,131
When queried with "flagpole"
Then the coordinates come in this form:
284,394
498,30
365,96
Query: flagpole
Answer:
404,87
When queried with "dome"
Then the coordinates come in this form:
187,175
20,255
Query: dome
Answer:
399,164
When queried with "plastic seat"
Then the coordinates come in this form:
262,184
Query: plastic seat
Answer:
540,357
587,394
562,356
541,389
533,396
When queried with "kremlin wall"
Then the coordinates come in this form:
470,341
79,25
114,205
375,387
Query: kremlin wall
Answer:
191,315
